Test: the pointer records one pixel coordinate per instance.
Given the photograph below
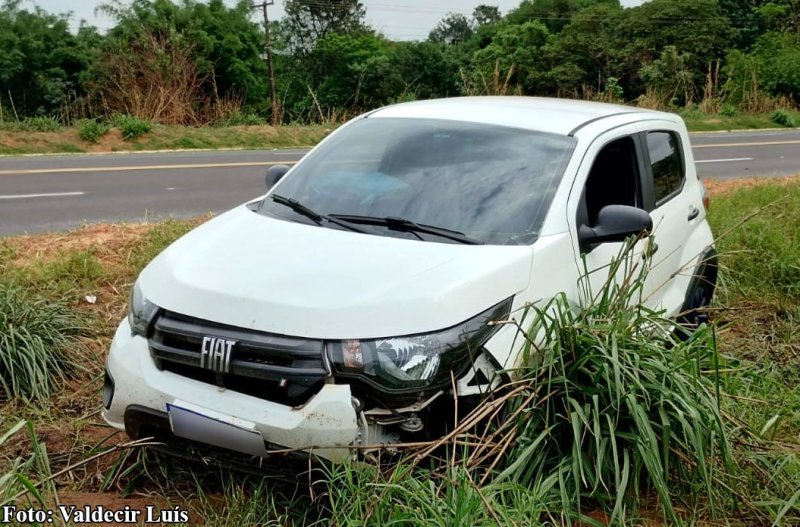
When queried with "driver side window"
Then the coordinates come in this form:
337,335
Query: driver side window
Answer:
613,180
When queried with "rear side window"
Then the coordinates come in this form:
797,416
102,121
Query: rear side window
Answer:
667,163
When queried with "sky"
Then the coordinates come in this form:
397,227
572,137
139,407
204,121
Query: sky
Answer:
397,19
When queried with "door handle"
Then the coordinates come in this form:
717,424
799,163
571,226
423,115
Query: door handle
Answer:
693,213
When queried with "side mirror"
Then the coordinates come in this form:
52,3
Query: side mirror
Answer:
274,174
614,224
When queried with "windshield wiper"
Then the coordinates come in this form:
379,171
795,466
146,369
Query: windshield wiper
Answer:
402,224
314,216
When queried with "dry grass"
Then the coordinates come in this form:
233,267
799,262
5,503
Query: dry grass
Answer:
722,187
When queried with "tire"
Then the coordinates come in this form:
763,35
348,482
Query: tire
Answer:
700,292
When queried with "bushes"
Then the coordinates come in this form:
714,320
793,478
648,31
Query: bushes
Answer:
34,336
627,409
782,118
91,130
132,127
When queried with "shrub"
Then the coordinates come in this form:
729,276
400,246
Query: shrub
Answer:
132,127
91,130
619,404
728,110
34,337
782,118
40,124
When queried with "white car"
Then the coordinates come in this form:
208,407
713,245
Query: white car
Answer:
335,312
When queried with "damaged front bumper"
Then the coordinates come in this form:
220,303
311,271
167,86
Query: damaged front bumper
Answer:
139,396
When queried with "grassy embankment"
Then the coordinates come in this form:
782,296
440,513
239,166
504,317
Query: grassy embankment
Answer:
78,283
46,136
68,140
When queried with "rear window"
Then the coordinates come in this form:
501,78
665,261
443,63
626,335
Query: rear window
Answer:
667,163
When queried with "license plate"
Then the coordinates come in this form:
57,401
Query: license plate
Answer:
206,426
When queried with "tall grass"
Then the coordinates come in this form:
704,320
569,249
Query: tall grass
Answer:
760,259
620,407
35,335
16,477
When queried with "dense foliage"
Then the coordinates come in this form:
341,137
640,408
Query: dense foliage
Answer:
202,61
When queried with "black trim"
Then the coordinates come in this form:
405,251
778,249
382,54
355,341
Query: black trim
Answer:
649,166
644,180
286,370
142,422
108,389
705,275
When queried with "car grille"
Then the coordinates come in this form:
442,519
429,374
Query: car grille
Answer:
285,370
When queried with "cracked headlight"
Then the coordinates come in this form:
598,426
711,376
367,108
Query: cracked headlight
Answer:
140,311
413,362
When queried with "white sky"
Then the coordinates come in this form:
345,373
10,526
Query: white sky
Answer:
397,19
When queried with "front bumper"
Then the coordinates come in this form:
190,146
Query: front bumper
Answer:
326,425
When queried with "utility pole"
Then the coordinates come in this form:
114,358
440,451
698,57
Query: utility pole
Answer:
275,117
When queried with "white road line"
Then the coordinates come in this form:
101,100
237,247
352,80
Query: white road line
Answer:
757,143
724,160
51,195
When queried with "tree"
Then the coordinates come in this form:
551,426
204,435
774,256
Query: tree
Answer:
784,14
778,56
649,28
515,57
745,19
41,61
222,45
555,14
486,14
669,79
588,50
308,21
454,28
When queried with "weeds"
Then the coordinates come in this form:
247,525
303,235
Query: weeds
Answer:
782,118
35,335
92,131
762,257
132,127
17,478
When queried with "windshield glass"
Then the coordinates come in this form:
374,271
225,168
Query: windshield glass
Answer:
491,183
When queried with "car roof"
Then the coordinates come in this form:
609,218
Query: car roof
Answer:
557,116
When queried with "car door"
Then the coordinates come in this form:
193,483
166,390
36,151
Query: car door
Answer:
612,173
674,211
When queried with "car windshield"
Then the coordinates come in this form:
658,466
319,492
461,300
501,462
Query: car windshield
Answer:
492,183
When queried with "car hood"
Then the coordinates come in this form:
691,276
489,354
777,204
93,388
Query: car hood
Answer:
252,271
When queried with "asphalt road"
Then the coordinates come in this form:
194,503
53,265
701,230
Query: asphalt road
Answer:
48,193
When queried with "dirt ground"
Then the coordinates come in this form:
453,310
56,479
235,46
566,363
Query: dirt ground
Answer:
726,186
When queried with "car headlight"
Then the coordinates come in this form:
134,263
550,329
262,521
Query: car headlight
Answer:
140,311
414,362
